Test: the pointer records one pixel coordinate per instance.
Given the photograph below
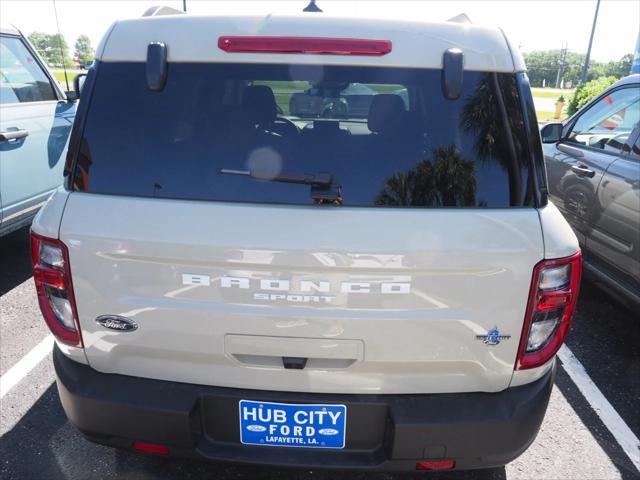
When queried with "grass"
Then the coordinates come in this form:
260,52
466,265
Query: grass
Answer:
544,116
283,90
551,93
58,73
284,85
282,99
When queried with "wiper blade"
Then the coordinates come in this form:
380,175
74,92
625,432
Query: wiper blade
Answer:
316,179
323,191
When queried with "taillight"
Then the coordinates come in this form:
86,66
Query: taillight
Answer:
552,300
307,45
52,275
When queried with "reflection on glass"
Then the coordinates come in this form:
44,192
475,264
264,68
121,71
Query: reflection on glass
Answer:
447,181
495,99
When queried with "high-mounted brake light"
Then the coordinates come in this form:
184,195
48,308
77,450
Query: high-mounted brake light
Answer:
552,301
307,45
52,276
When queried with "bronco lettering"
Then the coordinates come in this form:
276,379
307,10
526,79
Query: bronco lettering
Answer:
292,294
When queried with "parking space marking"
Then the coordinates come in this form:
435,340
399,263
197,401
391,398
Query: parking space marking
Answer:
27,363
618,428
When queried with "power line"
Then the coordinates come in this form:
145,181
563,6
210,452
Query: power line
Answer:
60,38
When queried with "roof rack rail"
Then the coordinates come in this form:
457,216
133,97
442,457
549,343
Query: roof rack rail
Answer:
158,10
462,18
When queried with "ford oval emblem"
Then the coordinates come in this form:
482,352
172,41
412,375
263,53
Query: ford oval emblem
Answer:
116,322
256,428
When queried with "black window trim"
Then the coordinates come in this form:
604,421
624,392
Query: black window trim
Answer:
77,131
538,174
633,138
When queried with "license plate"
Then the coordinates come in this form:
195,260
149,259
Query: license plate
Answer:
289,425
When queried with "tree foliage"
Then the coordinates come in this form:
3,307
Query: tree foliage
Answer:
54,49
543,66
447,180
587,91
84,50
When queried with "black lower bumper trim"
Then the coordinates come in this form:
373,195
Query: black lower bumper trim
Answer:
384,432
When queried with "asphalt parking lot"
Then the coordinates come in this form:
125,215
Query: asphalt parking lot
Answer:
580,437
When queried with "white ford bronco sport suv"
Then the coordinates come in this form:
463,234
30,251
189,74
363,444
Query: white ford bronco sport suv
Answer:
306,231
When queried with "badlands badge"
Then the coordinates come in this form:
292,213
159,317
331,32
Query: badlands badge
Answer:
492,337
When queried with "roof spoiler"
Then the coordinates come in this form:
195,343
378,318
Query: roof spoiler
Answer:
159,10
462,18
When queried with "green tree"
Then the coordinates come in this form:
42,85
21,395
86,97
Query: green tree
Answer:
52,48
42,43
543,67
84,50
618,68
587,91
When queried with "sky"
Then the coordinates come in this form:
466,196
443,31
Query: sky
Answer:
532,25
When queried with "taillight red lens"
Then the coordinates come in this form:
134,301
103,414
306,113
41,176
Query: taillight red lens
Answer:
52,276
308,45
152,448
552,301
435,465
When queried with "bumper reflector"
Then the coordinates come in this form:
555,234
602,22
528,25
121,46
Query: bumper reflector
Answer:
436,465
151,448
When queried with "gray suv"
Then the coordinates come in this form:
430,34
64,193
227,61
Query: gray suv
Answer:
593,164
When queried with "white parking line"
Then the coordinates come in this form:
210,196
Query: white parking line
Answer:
620,431
27,363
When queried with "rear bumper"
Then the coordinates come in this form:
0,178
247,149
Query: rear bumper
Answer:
384,432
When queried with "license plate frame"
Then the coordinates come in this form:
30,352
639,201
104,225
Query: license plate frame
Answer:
256,420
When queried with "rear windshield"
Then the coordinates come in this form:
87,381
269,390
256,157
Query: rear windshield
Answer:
295,134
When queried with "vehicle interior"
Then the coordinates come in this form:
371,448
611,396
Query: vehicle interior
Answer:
386,136
609,122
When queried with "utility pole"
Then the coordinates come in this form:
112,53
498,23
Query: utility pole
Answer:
184,6
586,60
563,65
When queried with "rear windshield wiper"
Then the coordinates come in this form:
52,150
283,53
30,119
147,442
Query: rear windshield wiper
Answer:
316,179
322,189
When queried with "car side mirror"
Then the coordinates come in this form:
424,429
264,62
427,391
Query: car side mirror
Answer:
78,83
551,132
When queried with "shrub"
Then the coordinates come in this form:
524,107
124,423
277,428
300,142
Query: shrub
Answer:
586,91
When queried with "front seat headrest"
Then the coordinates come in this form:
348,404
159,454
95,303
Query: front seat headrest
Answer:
386,114
242,119
261,99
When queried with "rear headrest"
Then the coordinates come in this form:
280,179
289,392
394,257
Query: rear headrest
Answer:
386,114
262,100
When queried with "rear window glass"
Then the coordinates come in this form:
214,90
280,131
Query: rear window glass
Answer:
296,134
